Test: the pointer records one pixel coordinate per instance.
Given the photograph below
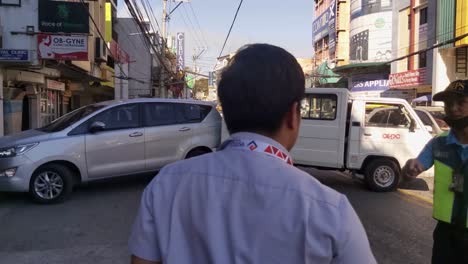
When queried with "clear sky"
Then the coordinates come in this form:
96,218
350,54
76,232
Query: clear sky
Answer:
284,23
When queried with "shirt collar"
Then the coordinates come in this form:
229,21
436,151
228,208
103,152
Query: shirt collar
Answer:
258,137
451,139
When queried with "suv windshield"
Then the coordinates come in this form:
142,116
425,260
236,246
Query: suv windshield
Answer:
71,118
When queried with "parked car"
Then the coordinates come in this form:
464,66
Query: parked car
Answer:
105,140
432,116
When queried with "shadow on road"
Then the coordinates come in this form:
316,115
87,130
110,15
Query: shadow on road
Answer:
415,185
90,189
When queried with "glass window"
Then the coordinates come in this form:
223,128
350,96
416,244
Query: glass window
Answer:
423,16
387,115
162,114
51,104
120,117
191,113
70,118
318,106
422,60
424,118
409,21
195,113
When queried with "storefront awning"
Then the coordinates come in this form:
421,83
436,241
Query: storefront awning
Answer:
74,73
357,66
329,77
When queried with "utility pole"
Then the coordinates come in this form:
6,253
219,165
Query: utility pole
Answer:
162,88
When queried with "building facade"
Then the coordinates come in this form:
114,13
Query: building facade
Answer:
414,32
450,60
330,32
370,47
53,58
134,42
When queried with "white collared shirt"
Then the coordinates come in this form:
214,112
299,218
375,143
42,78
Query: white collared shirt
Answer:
241,206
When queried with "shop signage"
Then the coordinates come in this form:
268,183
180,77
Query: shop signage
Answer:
369,85
369,82
14,55
55,47
118,53
180,51
66,17
54,85
332,28
408,79
320,26
76,86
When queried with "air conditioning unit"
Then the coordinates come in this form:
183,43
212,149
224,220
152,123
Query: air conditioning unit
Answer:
100,51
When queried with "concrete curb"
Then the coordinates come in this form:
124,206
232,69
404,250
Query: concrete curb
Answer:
416,195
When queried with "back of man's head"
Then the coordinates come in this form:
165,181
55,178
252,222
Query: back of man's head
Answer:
258,88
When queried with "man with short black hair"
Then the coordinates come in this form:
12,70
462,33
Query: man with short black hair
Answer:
246,203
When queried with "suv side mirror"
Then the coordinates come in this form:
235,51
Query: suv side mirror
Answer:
97,126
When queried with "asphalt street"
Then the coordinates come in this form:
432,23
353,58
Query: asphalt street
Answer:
93,226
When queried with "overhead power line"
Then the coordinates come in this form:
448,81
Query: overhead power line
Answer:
230,29
101,35
430,48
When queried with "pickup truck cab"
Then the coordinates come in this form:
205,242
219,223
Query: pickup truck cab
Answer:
371,137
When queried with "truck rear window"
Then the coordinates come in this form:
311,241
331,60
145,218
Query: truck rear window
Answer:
319,107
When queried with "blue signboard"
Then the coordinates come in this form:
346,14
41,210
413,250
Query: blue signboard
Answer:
14,55
332,28
369,82
320,26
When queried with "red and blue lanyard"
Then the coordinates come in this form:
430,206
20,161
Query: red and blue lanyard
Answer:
258,146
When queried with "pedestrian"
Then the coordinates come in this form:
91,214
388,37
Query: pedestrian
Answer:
448,153
247,203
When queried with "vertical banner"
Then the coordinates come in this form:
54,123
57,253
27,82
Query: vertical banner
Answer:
108,24
211,78
332,28
180,51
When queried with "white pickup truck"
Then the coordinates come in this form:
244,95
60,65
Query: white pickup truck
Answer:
371,137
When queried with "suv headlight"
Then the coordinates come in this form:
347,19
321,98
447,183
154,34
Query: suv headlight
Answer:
16,150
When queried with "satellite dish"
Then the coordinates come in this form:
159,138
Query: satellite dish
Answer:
331,64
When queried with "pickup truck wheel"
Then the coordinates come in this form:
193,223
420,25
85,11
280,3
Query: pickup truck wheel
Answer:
382,175
51,184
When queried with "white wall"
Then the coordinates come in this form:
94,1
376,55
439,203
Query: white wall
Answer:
444,70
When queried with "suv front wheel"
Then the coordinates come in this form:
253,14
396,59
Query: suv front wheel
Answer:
52,183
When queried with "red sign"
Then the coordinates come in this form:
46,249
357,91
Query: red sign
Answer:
408,79
118,53
58,47
391,136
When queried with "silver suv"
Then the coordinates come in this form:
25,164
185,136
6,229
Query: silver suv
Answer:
105,140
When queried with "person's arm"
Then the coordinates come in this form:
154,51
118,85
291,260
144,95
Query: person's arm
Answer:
423,162
137,260
425,157
143,242
352,245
